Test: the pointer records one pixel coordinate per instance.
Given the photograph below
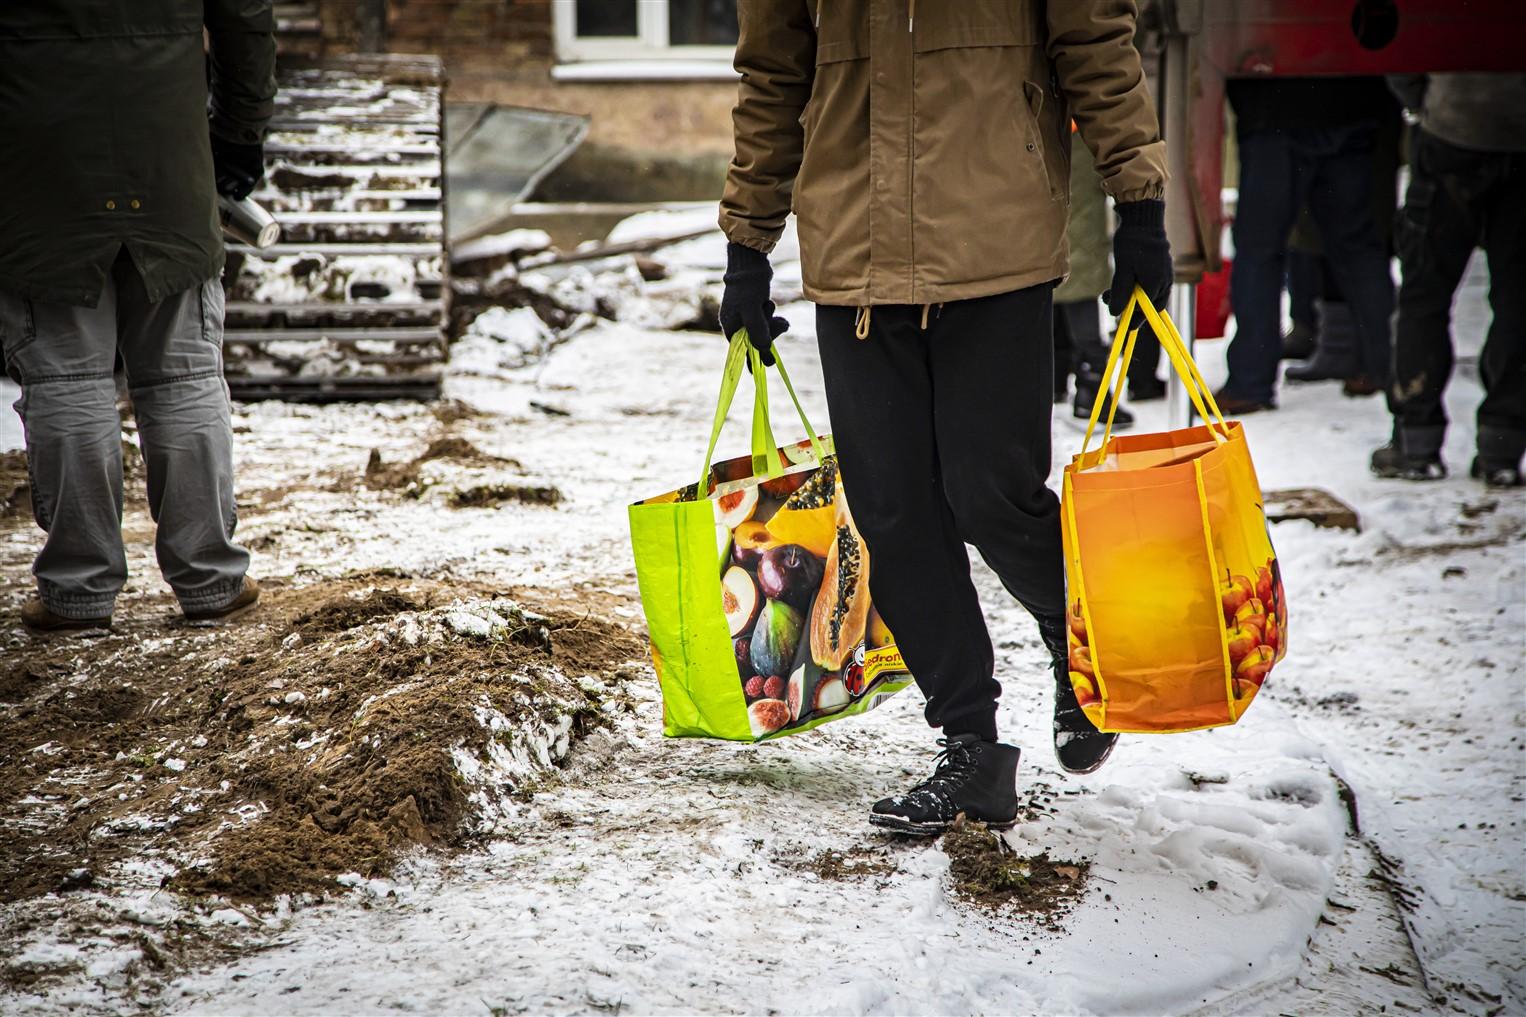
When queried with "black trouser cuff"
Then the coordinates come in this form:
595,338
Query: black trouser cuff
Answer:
982,726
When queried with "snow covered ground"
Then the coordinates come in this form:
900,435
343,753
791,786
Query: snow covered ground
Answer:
1230,872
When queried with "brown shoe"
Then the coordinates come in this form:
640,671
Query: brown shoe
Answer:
1235,406
248,594
1359,386
36,616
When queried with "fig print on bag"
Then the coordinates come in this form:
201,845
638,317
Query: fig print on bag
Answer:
775,634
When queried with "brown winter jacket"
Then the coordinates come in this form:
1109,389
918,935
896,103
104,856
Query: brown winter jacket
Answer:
924,147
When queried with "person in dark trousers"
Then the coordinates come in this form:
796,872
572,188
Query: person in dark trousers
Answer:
1080,347
1334,345
110,245
925,150
1467,189
1305,275
1305,140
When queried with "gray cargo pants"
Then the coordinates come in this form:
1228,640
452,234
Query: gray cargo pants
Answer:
62,357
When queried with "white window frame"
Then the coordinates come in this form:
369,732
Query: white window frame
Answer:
647,54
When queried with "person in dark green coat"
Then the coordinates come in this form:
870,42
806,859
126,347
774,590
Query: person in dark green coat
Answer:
122,122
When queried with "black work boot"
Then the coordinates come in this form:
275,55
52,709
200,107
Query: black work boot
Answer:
1086,395
1299,341
1498,463
1413,453
1339,354
1497,475
1078,745
1146,389
973,778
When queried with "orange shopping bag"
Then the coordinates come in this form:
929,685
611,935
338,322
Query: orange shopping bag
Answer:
1176,608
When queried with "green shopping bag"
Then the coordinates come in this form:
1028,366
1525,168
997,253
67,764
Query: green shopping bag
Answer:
755,584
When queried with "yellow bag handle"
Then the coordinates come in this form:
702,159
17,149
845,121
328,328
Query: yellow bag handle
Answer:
1122,352
1176,347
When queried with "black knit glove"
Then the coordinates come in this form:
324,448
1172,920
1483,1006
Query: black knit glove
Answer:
745,303
1141,255
238,168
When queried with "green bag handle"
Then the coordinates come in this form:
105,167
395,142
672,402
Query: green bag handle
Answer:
765,461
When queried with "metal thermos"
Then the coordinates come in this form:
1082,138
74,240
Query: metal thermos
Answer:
247,222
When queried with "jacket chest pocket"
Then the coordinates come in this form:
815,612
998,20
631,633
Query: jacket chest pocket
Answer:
981,81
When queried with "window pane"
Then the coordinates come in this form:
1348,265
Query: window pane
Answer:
702,22
606,18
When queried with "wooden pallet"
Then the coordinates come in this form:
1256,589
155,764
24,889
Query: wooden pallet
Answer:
352,303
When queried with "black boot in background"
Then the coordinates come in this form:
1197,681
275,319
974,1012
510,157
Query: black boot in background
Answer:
1078,745
1081,323
1144,386
1500,450
975,778
1414,453
1300,341
1339,354
1086,395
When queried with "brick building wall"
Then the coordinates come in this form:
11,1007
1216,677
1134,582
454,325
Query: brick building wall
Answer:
503,51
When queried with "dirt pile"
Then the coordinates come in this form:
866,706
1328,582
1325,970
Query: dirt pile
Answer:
470,477
15,485
329,731
986,872
408,476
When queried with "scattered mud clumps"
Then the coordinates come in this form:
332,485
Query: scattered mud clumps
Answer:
331,730
986,872
451,411
855,863
407,477
474,479
483,495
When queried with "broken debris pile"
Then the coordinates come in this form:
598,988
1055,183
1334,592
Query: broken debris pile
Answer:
516,298
339,727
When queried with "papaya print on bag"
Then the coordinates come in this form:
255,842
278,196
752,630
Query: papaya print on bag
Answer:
795,592
757,596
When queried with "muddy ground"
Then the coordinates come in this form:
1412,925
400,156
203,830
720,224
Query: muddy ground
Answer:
271,753
347,722
313,736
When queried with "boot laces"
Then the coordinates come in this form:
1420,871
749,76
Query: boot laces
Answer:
951,768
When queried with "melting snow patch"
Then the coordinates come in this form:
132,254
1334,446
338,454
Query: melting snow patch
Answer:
501,340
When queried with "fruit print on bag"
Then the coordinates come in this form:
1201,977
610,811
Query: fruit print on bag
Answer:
795,590
1255,626
1083,676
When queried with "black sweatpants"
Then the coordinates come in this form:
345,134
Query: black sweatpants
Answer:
943,440
1459,199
